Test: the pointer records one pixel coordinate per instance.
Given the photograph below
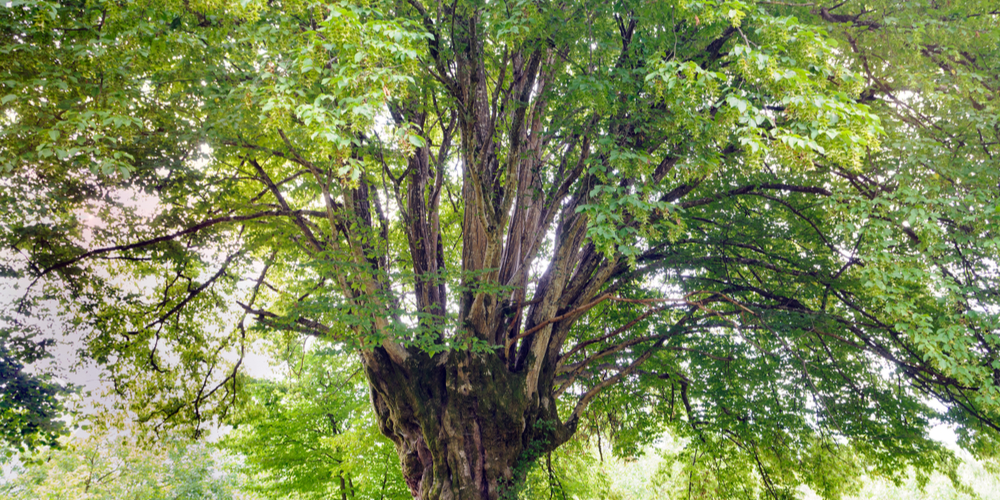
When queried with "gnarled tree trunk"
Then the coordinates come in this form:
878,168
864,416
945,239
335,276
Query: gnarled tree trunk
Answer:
465,428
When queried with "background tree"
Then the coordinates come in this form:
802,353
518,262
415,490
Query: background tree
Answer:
680,214
32,397
107,466
30,403
312,434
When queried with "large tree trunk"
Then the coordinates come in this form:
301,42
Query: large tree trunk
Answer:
464,426
467,424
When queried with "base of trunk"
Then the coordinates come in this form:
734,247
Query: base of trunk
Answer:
463,425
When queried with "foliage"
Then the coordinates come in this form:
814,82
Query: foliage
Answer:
117,466
311,434
769,228
672,469
31,403
571,471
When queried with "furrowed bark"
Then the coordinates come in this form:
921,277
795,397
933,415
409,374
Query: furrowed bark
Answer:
461,423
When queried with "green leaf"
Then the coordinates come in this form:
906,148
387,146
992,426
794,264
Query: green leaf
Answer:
415,140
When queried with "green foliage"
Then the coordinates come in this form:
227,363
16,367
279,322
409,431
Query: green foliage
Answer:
678,469
312,434
790,212
31,403
572,471
116,466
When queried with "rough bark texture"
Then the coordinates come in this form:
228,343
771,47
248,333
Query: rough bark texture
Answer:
460,422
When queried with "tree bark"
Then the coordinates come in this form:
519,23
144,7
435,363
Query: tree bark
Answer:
464,426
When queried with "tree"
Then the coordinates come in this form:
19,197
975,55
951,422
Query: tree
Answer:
31,403
106,466
701,215
312,434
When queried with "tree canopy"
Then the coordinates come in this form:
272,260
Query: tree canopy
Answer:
771,227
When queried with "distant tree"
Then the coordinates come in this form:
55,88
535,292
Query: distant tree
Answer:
312,434
31,404
707,216
103,467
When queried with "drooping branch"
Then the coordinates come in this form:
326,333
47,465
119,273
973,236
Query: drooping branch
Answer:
170,237
192,293
301,325
752,188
